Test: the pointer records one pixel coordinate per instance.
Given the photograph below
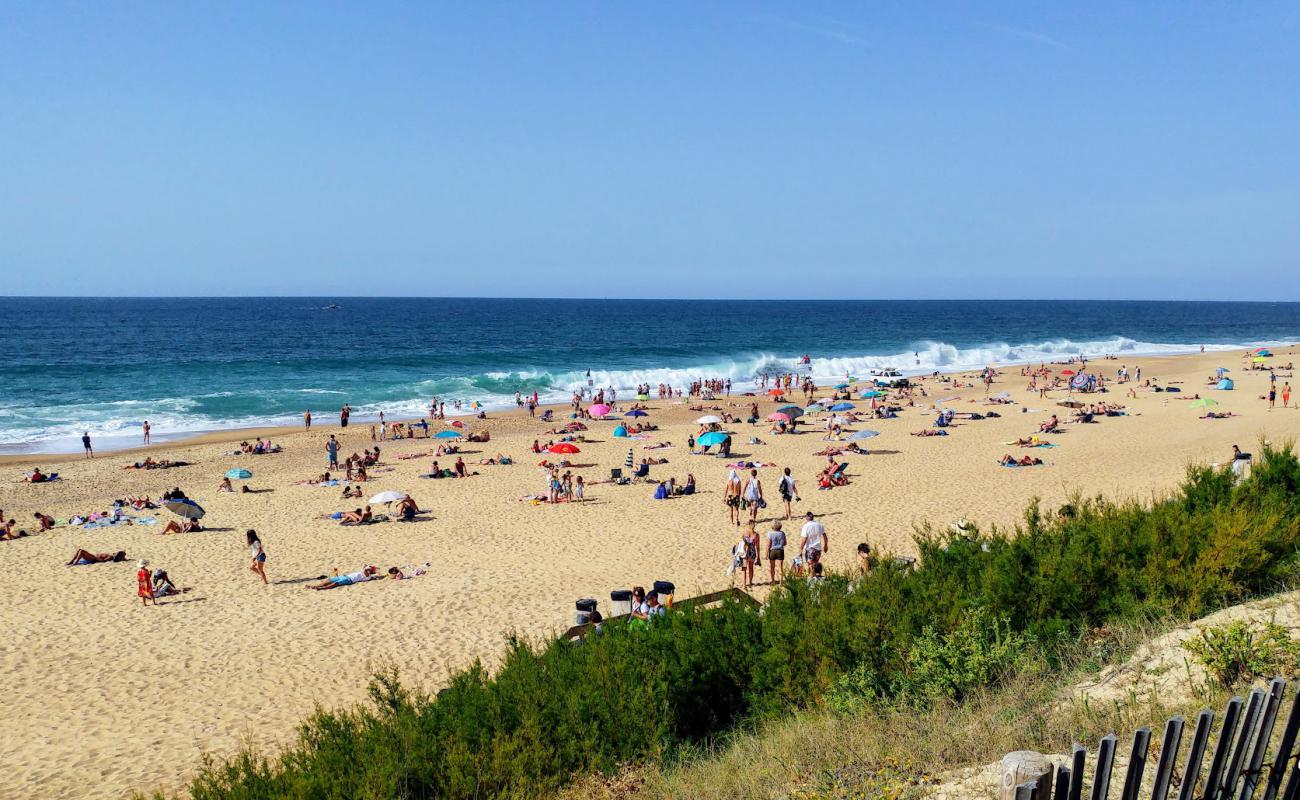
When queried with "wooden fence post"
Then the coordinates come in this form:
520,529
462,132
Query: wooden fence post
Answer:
1025,766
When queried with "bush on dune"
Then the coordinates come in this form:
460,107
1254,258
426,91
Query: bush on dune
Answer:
952,625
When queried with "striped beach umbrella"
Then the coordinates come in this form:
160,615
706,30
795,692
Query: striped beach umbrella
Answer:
630,460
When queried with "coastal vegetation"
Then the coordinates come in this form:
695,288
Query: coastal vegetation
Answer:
979,609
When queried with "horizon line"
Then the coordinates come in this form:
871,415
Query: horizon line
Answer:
640,299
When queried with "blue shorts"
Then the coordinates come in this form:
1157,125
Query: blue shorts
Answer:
341,580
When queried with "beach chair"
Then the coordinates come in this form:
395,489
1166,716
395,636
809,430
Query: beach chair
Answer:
838,478
615,473
642,471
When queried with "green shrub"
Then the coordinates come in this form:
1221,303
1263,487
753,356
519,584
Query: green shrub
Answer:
1235,652
979,652
955,623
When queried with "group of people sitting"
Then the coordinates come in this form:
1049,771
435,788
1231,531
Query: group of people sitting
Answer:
36,476
458,470
10,529
259,447
670,488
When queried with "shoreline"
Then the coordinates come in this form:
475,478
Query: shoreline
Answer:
235,434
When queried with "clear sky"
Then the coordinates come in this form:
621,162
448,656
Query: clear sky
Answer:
692,149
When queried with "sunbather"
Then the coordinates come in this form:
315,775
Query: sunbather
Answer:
364,574
83,557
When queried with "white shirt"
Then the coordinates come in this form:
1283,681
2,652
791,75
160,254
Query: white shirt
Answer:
812,535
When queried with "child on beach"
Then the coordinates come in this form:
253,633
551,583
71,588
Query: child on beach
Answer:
144,582
259,555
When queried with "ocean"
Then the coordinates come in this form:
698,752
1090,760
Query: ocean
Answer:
188,365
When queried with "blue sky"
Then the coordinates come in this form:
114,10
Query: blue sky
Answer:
1125,150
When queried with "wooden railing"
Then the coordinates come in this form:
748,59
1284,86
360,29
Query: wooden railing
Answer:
1239,766
678,605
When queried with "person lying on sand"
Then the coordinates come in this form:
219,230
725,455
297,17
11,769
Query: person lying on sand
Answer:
366,573
83,557
188,526
930,432
406,573
1009,460
498,459
1219,415
10,530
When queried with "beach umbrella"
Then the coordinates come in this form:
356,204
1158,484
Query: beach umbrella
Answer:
447,435
563,448
860,435
630,460
643,397
777,416
598,410
185,507
814,408
1001,395
871,393
843,407
712,438
389,496
455,423
776,392
239,474
1067,372
791,411
708,419
841,386
1203,402
636,412
1259,359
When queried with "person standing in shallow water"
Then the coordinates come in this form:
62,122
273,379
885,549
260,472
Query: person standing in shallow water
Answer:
146,431
306,419
85,442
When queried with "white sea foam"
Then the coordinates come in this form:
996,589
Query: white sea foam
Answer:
58,428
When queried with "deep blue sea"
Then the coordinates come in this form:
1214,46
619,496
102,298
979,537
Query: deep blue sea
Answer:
189,365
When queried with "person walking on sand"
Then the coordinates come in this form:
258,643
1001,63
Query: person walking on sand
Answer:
146,431
731,497
259,555
144,582
85,442
754,494
306,419
1286,394
1272,396
814,541
775,552
789,491
344,412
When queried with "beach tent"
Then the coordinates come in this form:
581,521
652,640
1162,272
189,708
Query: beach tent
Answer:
621,431
1225,384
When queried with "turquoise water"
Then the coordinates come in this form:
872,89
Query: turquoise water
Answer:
190,365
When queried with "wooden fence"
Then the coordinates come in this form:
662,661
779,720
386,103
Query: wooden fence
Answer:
1245,759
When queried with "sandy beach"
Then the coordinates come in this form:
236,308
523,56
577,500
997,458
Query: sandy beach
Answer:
106,697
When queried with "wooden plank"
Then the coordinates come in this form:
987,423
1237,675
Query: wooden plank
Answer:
1168,754
1192,771
1077,759
1222,749
1284,747
1137,763
1105,763
1062,789
1253,772
1027,791
683,605
1244,740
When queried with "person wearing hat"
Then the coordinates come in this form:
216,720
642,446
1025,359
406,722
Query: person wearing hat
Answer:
814,541
144,579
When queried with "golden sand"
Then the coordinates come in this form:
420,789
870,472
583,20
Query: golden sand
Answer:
103,697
